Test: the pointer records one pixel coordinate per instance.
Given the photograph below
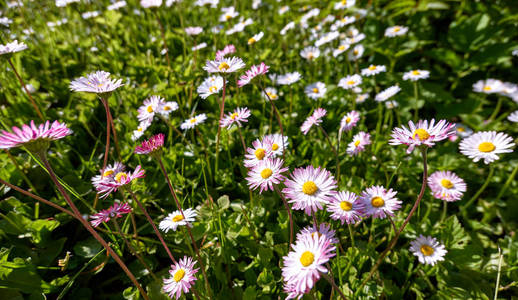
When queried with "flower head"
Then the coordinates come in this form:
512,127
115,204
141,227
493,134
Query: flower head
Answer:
192,122
489,86
113,178
308,188
289,78
316,90
323,229
415,75
350,81
278,143
34,137
211,85
446,185
360,140
266,173
395,31
153,145
346,207
427,249
314,119
349,121
98,82
513,117
176,218
117,210
387,93
270,93
255,38
224,65
310,53
150,3
229,49
486,145
182,277
12,47
252,73
150,107
193,30
140,129
422,133
380,202
261,149
239,115
356,53
373,70
341,49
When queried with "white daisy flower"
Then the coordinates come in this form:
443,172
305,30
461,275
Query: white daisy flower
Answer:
428,250
228,13
192,122
391,104
283,9
462,130
350,81
396,31
288,26
211,85
316,90
341,49
271,92
343,4
415,75
361,98
356,52
278,143
198,47
310,53
387,93
255,38
380,202
360,140
486,145
373,70
488,86
289,78
513,117
224,65
140,130
175,219
327,38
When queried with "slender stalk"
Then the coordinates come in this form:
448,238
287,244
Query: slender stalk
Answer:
416,97
477,194
398,233
114,132
242,139
221,110
351,234
507,183
148,217
107,148
88,227
315,221
33,103
289,214
497,109
173,193
394,224
278,116
498,272
333,284
162,32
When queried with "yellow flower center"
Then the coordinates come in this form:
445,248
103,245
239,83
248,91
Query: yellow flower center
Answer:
275,146
213,89
307,258
260,153
486,147
422,134
351,82
347,206
427,250
461,129
344,2
341,48
266,173
234,116
179,275
377,201
140,129
121,175
397,28
315,90
348,120
487,88
309,188
177,218
355,51
167,108
108,173
357,143
193,120
310,55
446,183
416,72
223,66
372,67
149,109
251,41
228,17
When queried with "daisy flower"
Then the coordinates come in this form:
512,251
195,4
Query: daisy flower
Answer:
229,49
255,38
150,3
260,150
110,182
486,145
289,78
379,202
462,130
98,82
361,98
327,38
391,104
415,75
200,46
34,137
116,5
350,81
356,53
175,219
343,4
323,229
508,89
346,207
153,145
446,185
278,143
396,31
166,108
309,188
239,115
193,30
488,86
373,70
182,277
271,92
316,90
117,210
252,73
224,65
314,119
192,122
513,117
341,49
349,121
12,47
428,250
422,133
310,53
360,140
108,173
211,85
228,13
292,292
303,265
150,108
265,174
140,130
355,38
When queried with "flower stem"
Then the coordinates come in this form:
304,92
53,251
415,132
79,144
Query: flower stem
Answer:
497,109
477,194
114,132
506,184
351,234
34,105
289,214
416,99
221,110
333,284
277,115
398,233
88,227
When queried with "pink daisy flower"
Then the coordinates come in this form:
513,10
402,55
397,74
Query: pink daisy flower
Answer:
349,121
265,174
229,49
303,265
152,145
314,119
279,142
291,291
34,138
379,202
323,229
259,151
360,140
422,133
309,188
111,182
346,207
98,82
446,185
252,73
224,65
182,277
117,210
108,173
239,115
150,107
